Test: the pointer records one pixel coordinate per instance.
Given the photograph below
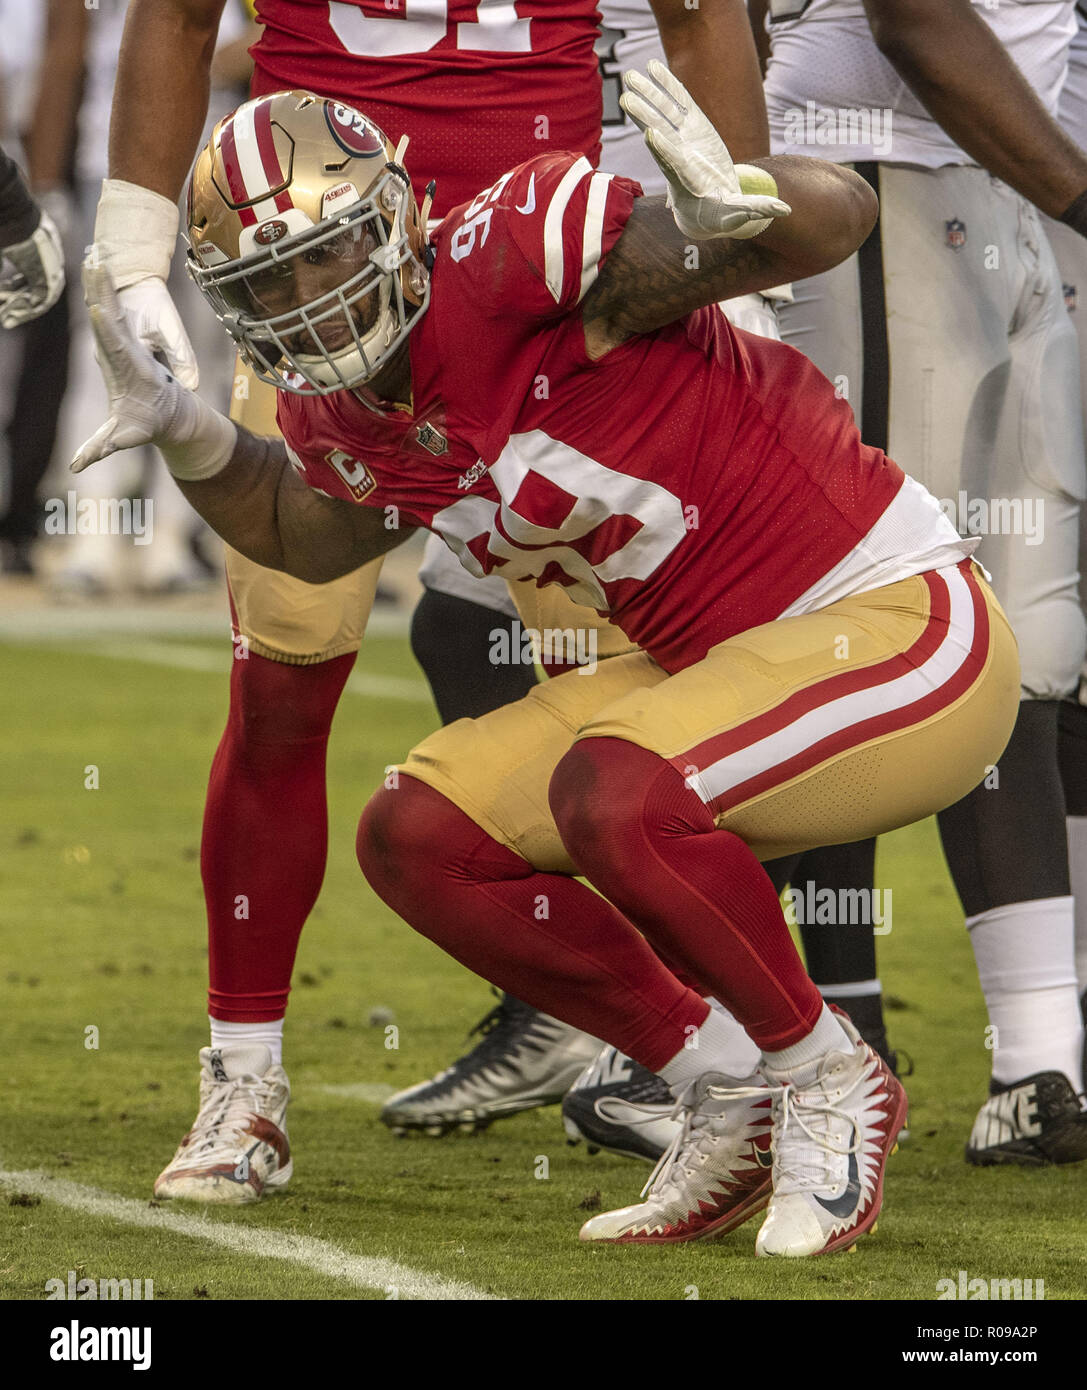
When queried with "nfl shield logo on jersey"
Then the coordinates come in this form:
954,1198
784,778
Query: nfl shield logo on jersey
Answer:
1070,297
432,439
956,234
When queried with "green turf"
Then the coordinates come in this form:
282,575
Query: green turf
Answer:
102,926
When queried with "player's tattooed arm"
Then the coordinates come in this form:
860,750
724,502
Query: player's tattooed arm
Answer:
242,485
654,274
260,506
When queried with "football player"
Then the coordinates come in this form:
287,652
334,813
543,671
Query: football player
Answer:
818,655
529,77
1070,250
949,334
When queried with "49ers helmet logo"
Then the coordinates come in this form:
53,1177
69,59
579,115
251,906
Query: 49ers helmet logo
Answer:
267,232
351,130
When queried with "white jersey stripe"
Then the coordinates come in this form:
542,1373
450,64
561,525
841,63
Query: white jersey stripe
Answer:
554,261
594,230
842,713
250,166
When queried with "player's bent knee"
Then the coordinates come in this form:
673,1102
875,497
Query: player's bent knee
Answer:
608,795
412,840
272,702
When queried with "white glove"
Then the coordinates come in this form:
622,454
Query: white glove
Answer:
135,233
147,405
34,284
704,186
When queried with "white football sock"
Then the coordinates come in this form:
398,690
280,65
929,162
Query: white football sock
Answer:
1026,965
1077,869
720,1045
270,1034
828,1035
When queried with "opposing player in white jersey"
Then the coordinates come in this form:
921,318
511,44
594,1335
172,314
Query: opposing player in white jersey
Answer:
949,333
1071,253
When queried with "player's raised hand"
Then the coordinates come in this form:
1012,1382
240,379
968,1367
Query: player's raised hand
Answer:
135,233
147,405
36,278
705,189
141,391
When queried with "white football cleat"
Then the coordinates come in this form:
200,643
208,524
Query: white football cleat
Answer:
238,1144
836,1121
712,1177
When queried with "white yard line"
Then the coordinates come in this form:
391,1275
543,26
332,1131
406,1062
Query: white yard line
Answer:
182,656
43,624
360,1271
373,1091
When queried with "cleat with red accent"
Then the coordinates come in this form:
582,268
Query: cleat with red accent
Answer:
237,1147
713,1176
835,1124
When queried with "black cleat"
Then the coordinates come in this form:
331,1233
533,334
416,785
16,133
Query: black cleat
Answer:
1033,1122
616,1104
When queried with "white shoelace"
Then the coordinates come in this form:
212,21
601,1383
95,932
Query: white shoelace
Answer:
669,1161
806,1175
223,1118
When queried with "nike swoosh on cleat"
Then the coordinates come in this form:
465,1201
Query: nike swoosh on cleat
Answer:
530,201
845,1205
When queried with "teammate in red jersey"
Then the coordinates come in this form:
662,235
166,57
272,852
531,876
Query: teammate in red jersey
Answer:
463,78
827,657
478,86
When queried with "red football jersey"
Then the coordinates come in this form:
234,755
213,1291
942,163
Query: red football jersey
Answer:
693,483
478,85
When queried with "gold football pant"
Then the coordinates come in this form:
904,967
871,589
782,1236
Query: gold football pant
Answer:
867,715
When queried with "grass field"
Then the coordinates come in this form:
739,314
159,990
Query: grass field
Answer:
102,927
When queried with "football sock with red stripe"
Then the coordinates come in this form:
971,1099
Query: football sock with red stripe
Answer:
265,834
642,837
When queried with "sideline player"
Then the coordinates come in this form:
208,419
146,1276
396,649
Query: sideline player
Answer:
530,79
950,330
30,241
740,495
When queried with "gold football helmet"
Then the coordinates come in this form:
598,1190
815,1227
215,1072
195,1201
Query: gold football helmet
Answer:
306,238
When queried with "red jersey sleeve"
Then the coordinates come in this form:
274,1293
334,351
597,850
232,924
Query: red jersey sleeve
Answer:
538,238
